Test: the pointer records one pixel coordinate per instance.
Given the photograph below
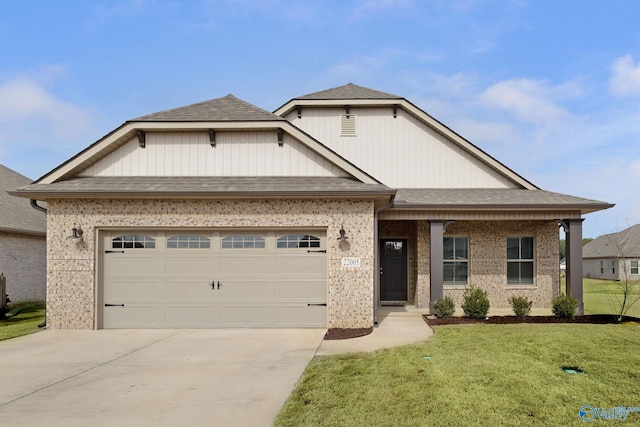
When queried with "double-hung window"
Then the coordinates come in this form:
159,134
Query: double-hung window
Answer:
519,260
635,268
456,260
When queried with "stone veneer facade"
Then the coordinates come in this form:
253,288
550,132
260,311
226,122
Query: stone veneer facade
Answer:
72,276
23,262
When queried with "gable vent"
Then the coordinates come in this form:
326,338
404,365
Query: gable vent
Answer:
347,125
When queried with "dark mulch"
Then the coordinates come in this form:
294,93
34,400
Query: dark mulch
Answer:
343,334
599,319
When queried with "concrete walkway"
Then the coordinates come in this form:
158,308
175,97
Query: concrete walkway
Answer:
396,326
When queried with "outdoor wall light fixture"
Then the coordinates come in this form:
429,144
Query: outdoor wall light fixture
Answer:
280,134
343,234
142,140
76,232
212,137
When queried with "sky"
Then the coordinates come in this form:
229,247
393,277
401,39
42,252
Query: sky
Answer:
549,88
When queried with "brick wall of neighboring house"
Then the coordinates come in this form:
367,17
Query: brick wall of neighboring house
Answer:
488,265
23,262
72,262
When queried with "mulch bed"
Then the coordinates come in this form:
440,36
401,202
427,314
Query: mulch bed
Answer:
343,334
599,319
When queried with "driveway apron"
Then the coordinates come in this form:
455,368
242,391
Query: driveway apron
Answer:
152,377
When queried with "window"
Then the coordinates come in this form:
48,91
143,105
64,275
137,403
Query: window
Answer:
635,268
298,241
347,125
519,260
133,241
456,260
613,267
188,241
601,267
243,241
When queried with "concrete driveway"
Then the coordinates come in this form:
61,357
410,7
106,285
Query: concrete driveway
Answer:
151,377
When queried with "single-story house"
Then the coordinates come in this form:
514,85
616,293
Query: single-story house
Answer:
614,256
23,242
222,214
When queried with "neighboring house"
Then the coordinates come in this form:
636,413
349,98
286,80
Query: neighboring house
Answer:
221,214
614,256
23,242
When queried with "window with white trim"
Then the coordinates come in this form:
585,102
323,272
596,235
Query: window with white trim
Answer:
635,267
456,260
243,241
133,241
520,260
188,241
297,241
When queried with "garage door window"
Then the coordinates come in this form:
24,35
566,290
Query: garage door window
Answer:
133,241
243,241
188,241
298,241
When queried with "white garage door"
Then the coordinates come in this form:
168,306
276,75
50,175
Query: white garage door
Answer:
195,279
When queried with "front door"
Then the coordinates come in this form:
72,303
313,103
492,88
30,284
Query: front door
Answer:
393,270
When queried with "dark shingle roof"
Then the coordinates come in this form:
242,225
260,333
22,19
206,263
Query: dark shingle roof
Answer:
225,109
198,186
469,198
349,91
624,244
16,214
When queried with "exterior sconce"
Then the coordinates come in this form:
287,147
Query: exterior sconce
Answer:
343,234
142,140
280,134
76,232
212,137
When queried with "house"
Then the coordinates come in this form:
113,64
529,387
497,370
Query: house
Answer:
614,256
23,243
222,214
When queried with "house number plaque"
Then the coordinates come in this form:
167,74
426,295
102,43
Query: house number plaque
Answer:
350,262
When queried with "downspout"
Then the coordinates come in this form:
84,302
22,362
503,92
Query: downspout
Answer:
376,258
34,205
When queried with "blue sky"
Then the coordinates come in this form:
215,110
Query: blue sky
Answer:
550,88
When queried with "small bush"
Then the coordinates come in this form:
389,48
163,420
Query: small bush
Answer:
444,307
521,306
564,306
476,303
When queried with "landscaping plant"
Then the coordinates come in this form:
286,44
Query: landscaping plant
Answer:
444,307
476,303
564,306
520,305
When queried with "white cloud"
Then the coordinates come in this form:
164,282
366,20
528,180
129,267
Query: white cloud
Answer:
625,77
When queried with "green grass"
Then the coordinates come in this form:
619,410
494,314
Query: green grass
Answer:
603,296
478,375
24,323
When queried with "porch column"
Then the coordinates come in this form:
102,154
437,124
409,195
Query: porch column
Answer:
436,261
573,231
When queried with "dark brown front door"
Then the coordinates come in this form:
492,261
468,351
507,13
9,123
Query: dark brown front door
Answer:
393,269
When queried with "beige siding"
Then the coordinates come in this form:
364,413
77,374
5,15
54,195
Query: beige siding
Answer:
23,261
235,154
401,152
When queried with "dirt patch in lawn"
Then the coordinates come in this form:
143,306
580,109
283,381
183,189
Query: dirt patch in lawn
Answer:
344,333
600,319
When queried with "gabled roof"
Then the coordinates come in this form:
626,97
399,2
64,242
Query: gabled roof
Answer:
354,95
227,113
225,109
492,198
623,244
201,186
17,215
350,91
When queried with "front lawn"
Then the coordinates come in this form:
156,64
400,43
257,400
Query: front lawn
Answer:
604,296
24,323
475,375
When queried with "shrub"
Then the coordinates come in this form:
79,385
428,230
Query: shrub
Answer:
444,307
521,306
476,303
564,306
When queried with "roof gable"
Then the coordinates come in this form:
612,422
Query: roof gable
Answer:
349,91
16,214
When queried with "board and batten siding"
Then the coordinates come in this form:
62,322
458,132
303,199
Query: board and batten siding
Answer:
401,152
235,154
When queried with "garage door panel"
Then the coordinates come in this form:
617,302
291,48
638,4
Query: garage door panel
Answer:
243,264
306,264
194,289
191,316
134,265
186,264
133,316
311,290
121,291
248,315
246,289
